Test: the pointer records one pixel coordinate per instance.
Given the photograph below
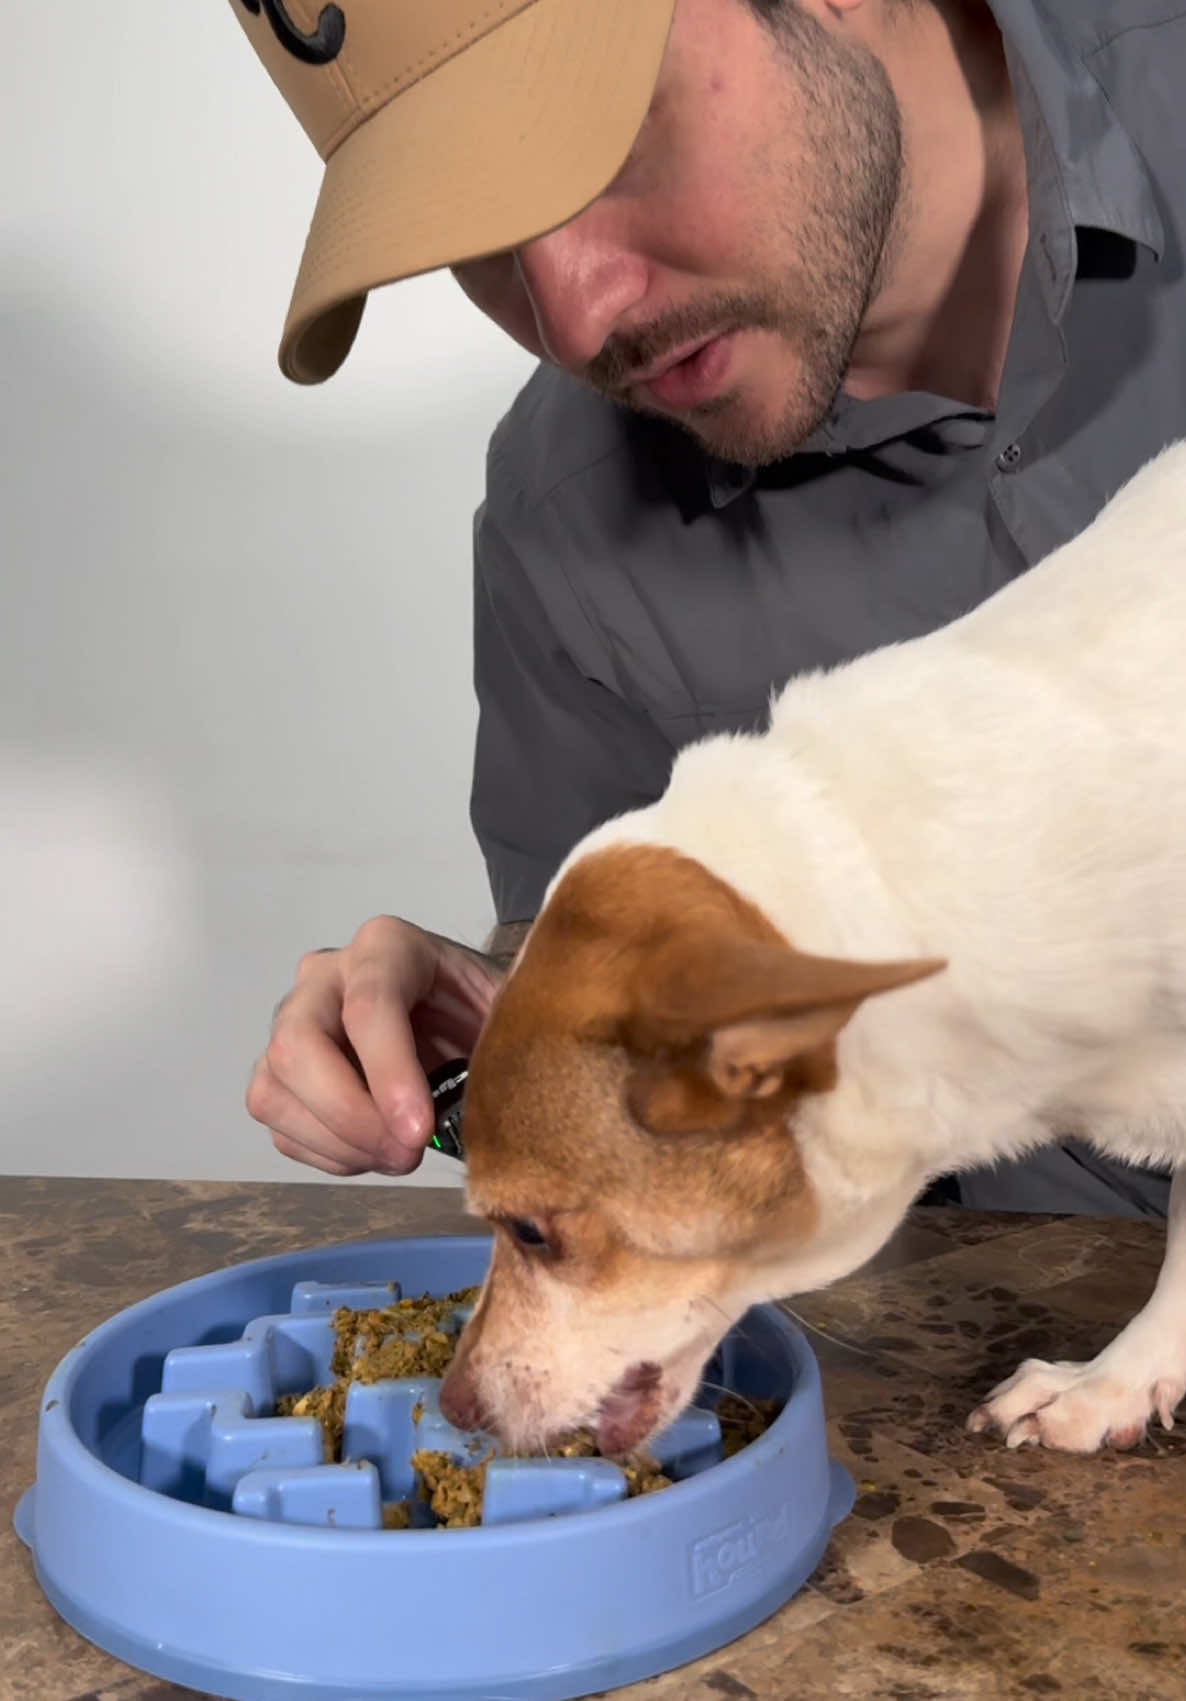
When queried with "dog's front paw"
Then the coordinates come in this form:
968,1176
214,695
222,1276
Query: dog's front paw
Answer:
1076,1408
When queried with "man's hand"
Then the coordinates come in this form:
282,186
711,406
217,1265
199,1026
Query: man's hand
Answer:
342,1083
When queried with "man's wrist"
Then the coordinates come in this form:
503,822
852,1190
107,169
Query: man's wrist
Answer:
505,943
500,950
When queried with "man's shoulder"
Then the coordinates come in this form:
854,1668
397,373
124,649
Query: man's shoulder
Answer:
1082,26
555,432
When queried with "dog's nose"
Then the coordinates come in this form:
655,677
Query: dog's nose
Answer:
459,1399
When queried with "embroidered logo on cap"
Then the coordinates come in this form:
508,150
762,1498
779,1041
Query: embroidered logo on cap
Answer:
324,44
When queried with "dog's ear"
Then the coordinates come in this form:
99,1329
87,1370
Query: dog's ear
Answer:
719,1027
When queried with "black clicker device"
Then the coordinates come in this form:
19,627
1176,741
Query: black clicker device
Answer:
446,1083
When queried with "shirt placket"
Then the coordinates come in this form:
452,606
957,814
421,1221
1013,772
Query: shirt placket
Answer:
1036,363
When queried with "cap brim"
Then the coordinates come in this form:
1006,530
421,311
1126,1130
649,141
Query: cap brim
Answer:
507,140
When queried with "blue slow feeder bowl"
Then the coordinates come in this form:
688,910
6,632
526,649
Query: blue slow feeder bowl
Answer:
182,1527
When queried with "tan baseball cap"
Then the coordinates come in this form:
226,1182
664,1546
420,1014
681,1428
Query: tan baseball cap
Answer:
450,129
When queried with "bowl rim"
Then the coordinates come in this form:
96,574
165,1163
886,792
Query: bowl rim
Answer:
56,1431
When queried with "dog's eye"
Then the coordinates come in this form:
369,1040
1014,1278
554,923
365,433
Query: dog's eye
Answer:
526,1232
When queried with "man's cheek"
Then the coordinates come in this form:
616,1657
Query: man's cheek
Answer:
495,288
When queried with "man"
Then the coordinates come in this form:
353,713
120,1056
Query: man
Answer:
848,311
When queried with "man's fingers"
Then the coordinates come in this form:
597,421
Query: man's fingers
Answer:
297,1133
304,1068
313,1157
342,1084
389,971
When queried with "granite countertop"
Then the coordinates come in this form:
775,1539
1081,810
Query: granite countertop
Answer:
965,1570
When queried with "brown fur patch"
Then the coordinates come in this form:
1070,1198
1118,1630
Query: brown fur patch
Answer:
649,986
550,1132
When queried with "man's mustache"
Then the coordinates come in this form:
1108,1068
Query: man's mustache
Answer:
628,352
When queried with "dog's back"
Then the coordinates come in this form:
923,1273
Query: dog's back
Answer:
1025,768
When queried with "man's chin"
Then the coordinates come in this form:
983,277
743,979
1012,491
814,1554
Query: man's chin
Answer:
734,430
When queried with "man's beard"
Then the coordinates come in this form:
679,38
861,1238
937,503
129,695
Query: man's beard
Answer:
846,193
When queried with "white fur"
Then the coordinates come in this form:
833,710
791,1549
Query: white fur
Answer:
1009,794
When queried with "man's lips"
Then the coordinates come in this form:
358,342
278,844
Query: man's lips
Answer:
691,375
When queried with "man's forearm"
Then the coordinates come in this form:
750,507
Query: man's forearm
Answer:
504,943
500,949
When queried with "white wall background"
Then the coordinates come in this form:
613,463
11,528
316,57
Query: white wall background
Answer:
235,703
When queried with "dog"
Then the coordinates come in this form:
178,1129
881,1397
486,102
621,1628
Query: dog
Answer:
932,917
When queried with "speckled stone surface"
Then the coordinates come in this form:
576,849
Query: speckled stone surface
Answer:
965,1570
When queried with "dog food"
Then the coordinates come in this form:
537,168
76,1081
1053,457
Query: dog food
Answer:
453,1491
407,1339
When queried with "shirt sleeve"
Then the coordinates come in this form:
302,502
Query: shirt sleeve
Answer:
557,752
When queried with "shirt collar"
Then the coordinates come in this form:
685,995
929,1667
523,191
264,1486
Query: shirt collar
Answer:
1104,179
1084,171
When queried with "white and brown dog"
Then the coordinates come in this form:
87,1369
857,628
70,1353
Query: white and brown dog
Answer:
934,917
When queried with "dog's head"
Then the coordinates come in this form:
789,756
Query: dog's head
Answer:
630,1133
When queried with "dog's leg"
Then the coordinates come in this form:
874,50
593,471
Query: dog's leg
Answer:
1079,1408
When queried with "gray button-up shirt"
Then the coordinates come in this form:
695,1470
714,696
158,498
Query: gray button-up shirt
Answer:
631,594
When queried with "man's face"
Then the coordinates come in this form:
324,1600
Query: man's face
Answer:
720,281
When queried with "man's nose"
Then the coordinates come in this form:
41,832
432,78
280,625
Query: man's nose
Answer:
581,285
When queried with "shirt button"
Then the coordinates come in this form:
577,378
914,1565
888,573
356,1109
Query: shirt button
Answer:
1009,459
